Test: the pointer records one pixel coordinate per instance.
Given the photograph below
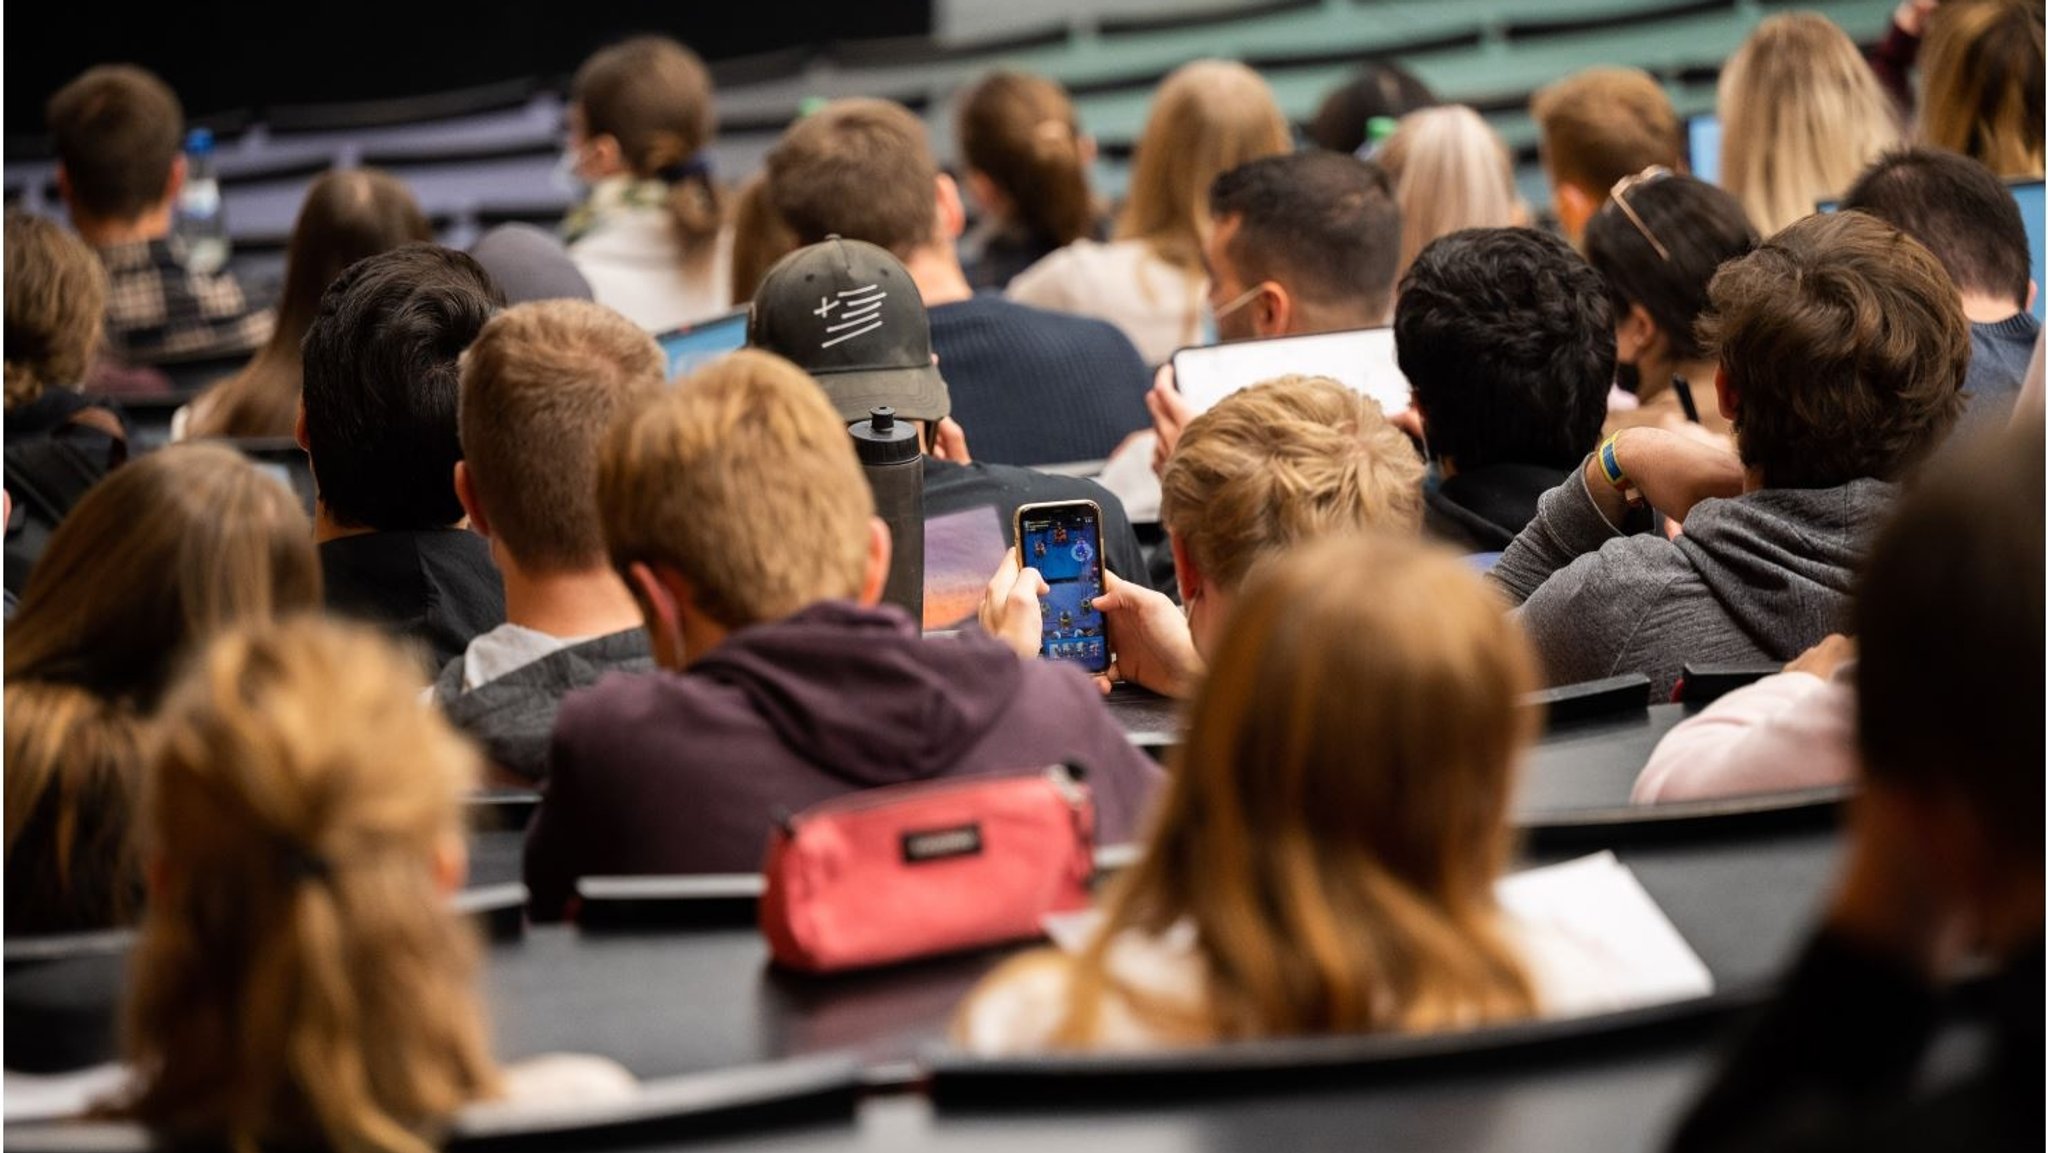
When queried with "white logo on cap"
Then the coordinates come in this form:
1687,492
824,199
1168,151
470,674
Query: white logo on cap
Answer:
863,312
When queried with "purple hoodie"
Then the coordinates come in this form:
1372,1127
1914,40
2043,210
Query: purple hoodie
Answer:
665,772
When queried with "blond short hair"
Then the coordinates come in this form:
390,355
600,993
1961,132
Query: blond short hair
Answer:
744,482
1602,124
1282,463
540,388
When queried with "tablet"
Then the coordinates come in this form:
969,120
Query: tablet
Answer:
693,345
1360,359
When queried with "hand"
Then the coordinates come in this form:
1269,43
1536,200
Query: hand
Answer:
1170,416
1150,638
949,442
1673,473
1009,607
1833,651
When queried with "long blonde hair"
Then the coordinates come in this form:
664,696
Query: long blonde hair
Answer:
1209,117
1339,813
1451,171
1801,116
1983,77
165,552
300,977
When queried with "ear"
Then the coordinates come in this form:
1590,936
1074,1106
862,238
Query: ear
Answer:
1185,572
661,606
1574,208
876,573
465,491
1273,310
951,216
1725,395
451,865
1633,333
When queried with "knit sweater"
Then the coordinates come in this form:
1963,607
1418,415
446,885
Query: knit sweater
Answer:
1755,579
1036,387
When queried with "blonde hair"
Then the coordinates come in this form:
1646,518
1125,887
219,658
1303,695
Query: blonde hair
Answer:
653,96
1982,69
1451,171
165,552
1209,117
1281,463
1338,815
56,301
540,387
300,976
1801,116
744,481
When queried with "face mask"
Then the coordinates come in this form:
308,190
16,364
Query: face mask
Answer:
565,178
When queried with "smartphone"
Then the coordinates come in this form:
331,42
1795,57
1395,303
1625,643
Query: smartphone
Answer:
1063,541
1360,359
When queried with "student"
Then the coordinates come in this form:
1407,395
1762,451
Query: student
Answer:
348,214
1267,470
378,422
1027,172
1597,127
1325,854
58,444
1943,867
1801,115
303,825
1030,386
650,235
118,132
1842,348
1209,117
1657,241
163,554
1451,171
540,387
1302,243
1982,84
1969,220
1382,92
893,365
735,507
1507,341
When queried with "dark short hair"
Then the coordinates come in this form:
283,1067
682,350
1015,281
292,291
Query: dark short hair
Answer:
381,385
117,130
1949,627
1324,224
1701,228
1846,346
1507,339
1958,209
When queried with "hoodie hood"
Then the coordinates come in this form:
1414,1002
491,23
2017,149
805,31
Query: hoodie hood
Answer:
861,695
1778,559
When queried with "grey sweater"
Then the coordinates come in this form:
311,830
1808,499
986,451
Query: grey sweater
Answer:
1754,580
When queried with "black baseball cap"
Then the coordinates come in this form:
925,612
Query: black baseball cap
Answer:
847,312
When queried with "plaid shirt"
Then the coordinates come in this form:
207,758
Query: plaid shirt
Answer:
159,310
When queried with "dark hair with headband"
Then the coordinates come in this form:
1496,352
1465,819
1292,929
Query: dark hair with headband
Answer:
1664,255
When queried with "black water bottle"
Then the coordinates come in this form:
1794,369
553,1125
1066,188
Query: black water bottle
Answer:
894,464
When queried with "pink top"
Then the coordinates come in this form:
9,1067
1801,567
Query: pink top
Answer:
1786,731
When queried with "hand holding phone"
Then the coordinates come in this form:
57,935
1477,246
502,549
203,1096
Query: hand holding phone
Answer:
1062,542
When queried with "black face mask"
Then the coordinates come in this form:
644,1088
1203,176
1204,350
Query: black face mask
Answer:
1628,378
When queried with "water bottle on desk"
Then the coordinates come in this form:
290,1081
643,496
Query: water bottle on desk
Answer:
202,226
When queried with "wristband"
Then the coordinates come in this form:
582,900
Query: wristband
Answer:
1610,467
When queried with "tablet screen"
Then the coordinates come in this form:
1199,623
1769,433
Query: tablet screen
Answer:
1360,359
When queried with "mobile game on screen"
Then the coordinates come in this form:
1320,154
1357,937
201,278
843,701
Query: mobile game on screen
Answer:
1065,545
